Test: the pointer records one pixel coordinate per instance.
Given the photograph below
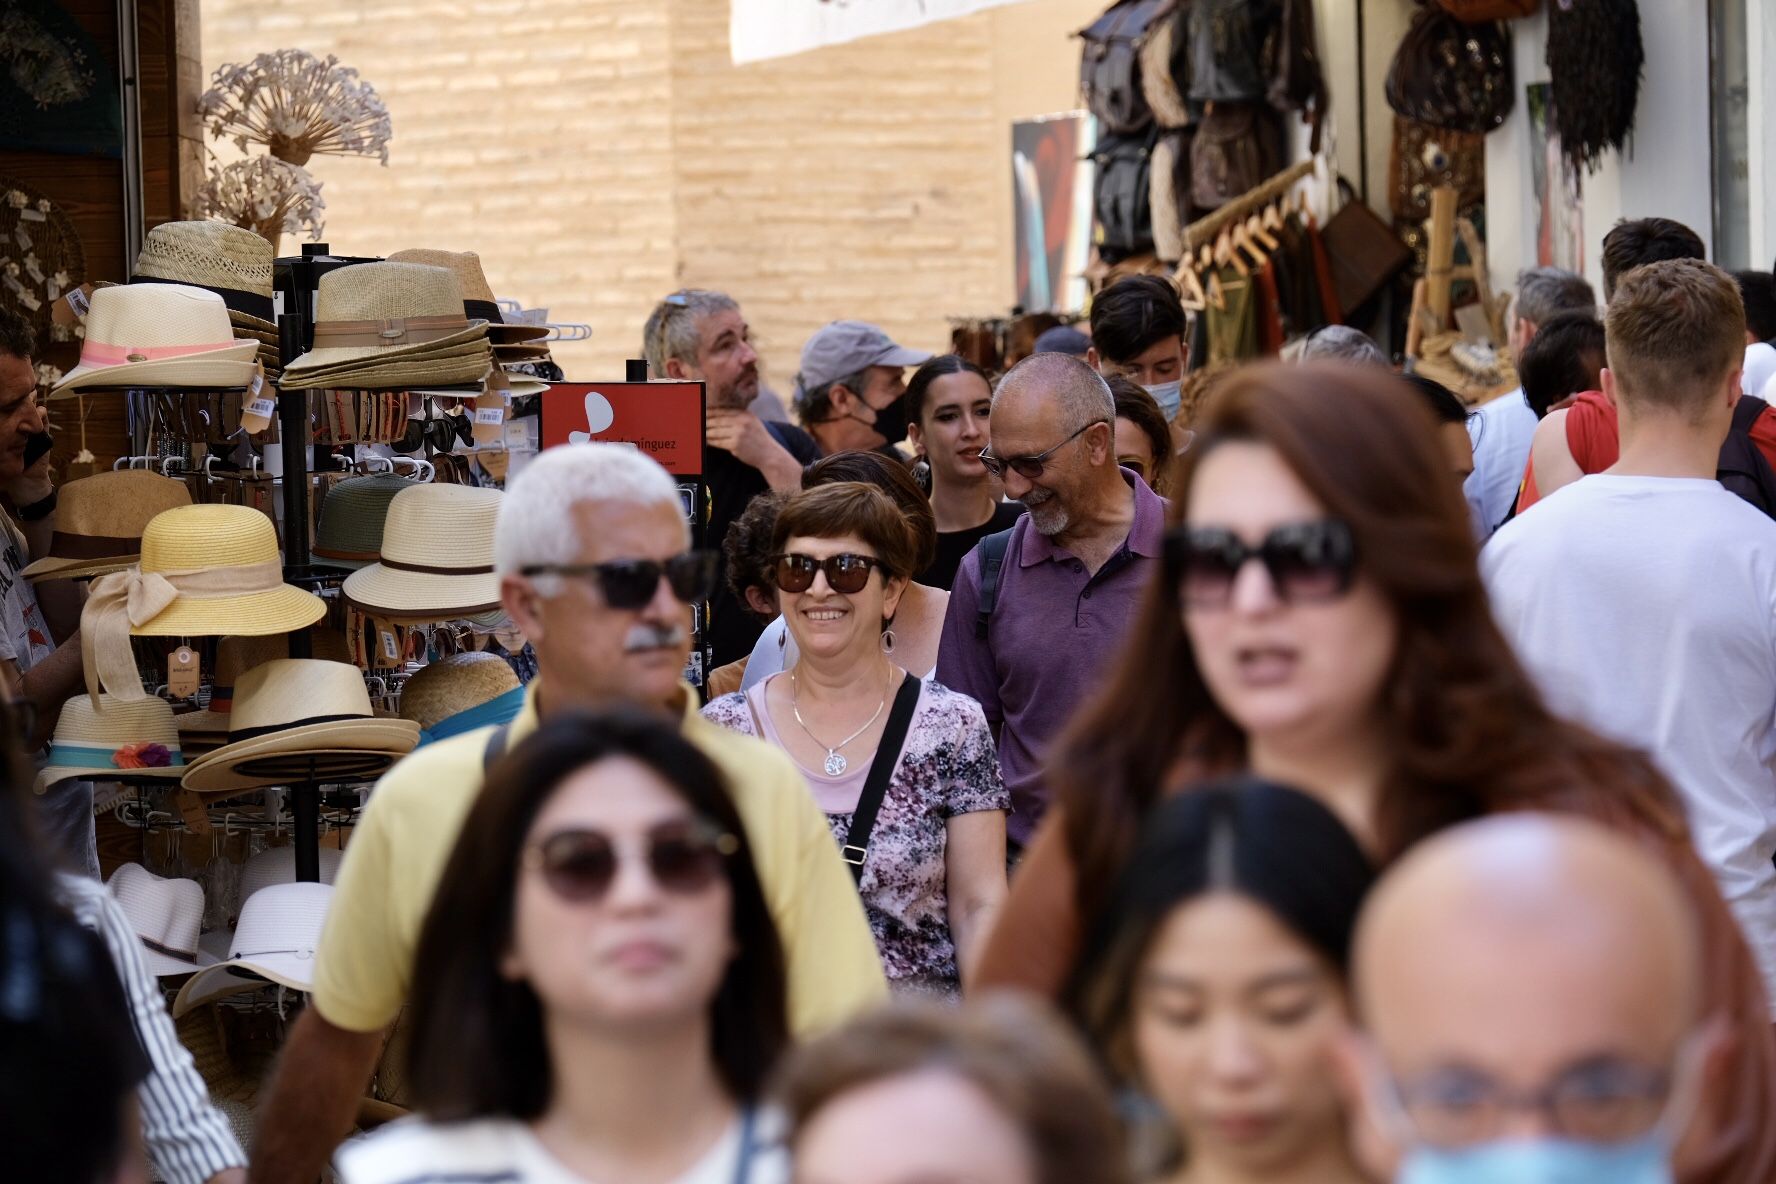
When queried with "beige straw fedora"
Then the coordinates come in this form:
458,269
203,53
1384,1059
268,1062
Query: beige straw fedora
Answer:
120,738
478,299
279,931
231,261
437,556
205,571
234,657
158,335
388,313
99,522
297,706
166,913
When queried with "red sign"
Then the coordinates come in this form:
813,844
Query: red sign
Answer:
663,419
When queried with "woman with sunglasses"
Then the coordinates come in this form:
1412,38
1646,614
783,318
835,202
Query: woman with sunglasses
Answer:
904,769
599,991
947,403
1321,622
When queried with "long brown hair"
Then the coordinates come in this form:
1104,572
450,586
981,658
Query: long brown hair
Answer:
1468,732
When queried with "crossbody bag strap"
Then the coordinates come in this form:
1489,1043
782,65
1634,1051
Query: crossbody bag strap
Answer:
496,746
875,784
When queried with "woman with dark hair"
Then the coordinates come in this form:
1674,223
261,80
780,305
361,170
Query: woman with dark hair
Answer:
919,616
1321,622
1143,441
1214,982
947,404
599,991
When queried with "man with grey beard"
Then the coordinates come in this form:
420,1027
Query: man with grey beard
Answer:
1037,612
592,549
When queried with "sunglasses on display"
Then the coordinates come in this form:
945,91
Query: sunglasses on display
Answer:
579,866
845,574
1030,467
631,583
1308,562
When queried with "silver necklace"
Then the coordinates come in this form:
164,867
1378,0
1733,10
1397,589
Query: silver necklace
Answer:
836,764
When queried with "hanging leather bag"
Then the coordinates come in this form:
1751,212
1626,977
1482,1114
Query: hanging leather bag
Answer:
1110,65
1121,196
1452,75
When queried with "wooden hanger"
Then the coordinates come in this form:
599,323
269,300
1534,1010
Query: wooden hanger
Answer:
1227,256
1243,242
1194,298
1273,216
1255,230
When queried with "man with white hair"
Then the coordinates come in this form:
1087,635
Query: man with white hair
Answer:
593,555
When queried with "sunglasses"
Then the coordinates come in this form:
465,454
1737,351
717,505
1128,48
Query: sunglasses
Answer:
1308,562
579,866
631,583
1030,467
846,574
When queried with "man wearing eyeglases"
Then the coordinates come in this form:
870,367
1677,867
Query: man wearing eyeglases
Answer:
592,548
1069,573
1530,989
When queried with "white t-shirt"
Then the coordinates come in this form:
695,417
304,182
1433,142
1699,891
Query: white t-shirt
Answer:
24,638
1645,607
1502,431
504,1150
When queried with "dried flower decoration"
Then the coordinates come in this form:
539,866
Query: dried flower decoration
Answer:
265,195
296,105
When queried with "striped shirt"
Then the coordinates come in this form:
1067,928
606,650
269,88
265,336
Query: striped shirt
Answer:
188,1139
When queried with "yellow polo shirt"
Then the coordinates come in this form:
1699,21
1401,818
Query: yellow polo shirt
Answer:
364,966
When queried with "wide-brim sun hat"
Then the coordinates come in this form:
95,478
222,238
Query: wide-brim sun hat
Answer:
466,371
233,262
121,738
279,931
100,519
385,312
234,657
277,865
166,914
437,556
298,707
478,298
158,335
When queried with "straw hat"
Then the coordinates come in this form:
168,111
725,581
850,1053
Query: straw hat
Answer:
210,538
99,522
456,684
297,706
121,738
158,335
234,657
231,261
388,317
478,299
277,865
166,914
279,929
437,556
349,533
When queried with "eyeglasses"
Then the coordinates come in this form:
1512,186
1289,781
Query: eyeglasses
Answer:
1607,1102
844,573
1030,467
1308,562
631,583
579,866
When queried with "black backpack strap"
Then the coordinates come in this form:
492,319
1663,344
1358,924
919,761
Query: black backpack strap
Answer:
496,746
875,783
992,557
1742,468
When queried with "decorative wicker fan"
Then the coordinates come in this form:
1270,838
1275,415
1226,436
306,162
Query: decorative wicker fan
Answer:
40,256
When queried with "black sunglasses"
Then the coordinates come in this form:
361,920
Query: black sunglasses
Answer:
1030,467
846,573
1308,562
631,583
579,866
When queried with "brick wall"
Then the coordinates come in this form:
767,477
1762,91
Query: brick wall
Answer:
599,153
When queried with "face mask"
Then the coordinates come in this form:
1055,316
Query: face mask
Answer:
1540,1161
1169,396
890,421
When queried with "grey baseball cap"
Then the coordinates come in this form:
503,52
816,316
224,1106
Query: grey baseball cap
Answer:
845,347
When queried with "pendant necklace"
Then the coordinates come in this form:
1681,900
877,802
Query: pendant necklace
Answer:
836,764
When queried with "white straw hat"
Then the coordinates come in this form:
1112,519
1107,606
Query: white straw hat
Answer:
120,738
158,335
166,914
277,865
437,556
279,930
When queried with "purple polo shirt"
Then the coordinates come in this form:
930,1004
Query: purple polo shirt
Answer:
1055,630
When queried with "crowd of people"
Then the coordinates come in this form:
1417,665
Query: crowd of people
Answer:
1098,781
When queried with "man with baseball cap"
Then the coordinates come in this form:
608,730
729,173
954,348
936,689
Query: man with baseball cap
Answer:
849,390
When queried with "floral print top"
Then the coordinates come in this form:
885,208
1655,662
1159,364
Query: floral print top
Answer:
947,767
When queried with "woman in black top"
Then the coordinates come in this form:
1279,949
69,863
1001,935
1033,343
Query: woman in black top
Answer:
947,403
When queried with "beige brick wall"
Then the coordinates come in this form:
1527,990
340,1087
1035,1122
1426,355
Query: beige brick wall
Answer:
598,153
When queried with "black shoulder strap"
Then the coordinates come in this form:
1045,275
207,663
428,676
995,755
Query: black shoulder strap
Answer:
875,783
992,558
496,746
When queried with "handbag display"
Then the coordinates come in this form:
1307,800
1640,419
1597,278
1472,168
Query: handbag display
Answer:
1121,196
1363,251
1237,146
1110,65
1449,74
1424,157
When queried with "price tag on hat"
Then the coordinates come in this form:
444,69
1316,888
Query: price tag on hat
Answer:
387,650
193,811
257,405
182,673
71,309
489,416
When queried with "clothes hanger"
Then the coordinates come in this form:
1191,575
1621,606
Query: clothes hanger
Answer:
1255,230
1194,298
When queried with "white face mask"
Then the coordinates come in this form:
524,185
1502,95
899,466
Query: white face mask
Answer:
1169,396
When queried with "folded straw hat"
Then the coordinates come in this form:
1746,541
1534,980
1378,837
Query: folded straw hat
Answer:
234,657
231,261
166,914
120,738
349,533
99,522
478,299
279,929
460,693
437,556
389,315
299,707
158,335
205,571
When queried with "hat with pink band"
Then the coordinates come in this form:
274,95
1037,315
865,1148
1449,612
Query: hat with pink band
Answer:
158,335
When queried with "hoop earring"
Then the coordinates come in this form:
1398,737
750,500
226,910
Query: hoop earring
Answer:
887,641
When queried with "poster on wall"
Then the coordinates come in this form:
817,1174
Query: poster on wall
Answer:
1560,222
762,29
1051,179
